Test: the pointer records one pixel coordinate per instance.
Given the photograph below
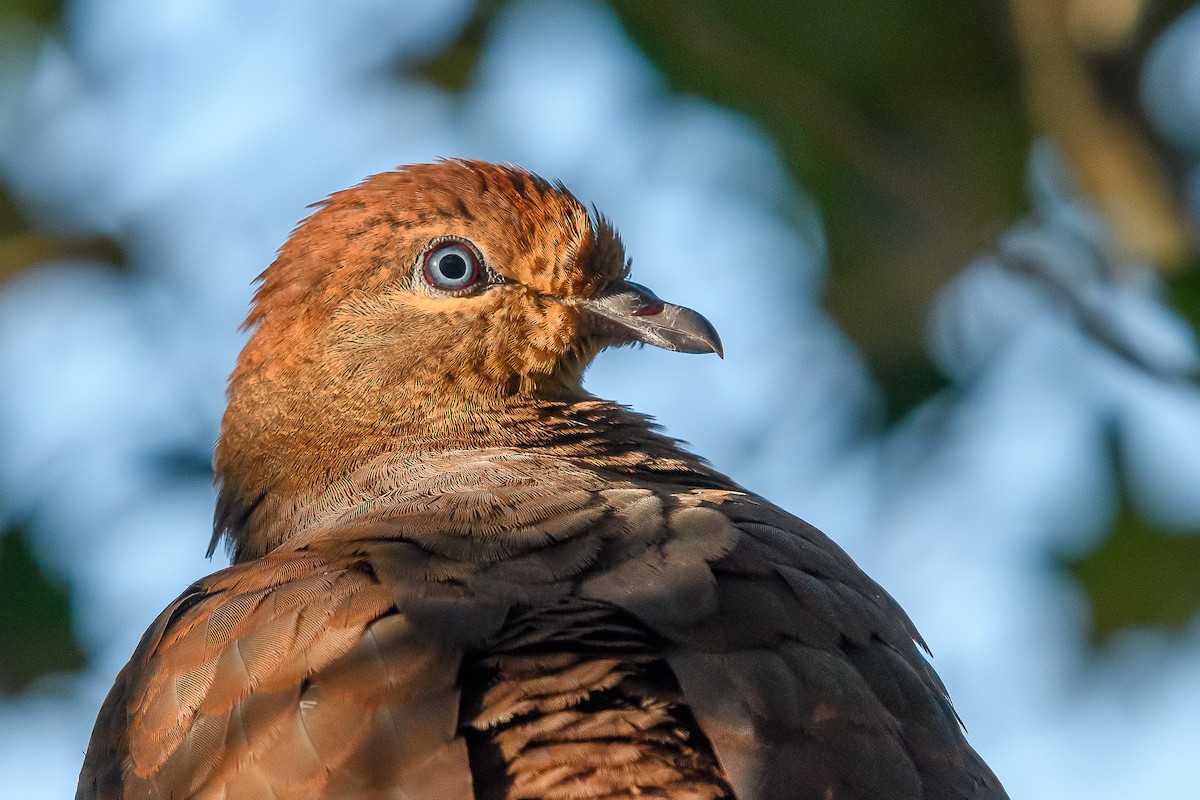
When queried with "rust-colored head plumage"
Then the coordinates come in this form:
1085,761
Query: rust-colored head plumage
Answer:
356,264
528,230
432,307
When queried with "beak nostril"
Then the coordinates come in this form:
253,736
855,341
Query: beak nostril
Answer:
649,310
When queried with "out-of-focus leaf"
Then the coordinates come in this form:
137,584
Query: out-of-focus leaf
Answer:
42,13
25,250
909,381
22,247
35,624
10,219
1139,576
454,66
1183,292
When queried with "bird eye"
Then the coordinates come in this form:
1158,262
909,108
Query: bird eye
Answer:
451,266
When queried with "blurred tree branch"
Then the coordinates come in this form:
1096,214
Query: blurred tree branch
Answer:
1115,163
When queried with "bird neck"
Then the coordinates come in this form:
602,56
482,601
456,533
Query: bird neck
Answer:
275,459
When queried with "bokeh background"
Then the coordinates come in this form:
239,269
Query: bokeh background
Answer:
951,248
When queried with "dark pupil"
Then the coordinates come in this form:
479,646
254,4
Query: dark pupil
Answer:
452,266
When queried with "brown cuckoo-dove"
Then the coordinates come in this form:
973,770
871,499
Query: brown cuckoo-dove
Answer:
458,575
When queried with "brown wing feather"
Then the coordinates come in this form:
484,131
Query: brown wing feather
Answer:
808,679
290,676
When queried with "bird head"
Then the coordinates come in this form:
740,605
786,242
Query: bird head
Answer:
420,310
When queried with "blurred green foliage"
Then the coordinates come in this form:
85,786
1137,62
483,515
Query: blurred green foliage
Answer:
42,13
1183,294
1141,575
453,68
36,637
23,246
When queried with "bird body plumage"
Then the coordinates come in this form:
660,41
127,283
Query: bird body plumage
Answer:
457,575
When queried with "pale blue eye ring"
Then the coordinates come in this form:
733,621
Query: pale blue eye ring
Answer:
451,266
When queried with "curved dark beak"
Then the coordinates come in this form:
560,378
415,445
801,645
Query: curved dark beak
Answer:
629,312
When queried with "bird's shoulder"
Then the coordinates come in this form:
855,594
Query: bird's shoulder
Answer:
293,673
